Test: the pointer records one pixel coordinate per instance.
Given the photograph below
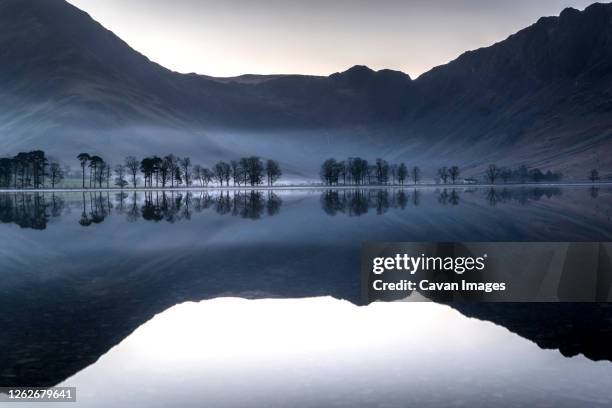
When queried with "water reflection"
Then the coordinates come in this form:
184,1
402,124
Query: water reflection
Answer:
326,353
33,210
96,207
30,210
451,198
136,258
359,202
520,195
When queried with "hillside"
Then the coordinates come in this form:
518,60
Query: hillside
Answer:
542,97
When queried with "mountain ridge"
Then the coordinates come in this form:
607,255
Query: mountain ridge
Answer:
540,97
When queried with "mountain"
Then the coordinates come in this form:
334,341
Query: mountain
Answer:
542,97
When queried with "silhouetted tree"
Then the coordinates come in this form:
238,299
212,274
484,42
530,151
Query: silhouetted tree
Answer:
207,176
454,172
133,165
393,172
185,163
84,160
222,172
197,174
120,180
6,165
273,172
342,171
107,175
443,174
173,168
329,172
492,173
98,170
402,173
382,171
358,169
237,171
416,174
156,163
254,170
147,168
164,172
56,174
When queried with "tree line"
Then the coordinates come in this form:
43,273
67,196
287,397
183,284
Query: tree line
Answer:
172,171
521,174
35,170
358,171
30,170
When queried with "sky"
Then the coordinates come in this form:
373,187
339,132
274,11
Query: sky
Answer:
317,37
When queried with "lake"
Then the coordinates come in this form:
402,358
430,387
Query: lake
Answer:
252,298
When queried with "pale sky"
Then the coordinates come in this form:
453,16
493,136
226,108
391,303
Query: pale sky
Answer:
233,37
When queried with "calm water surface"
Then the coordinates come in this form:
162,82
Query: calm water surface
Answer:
147,291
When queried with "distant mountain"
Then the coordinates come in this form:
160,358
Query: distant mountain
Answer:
542,97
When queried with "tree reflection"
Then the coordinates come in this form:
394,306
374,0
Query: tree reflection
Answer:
274,203
171,207
522,196
133,211
360,201
96,206
30,210
34,210
446,198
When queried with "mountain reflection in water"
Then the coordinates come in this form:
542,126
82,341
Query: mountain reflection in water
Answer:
325,352
82,271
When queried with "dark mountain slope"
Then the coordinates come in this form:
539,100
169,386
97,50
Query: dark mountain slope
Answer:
54,51
544,91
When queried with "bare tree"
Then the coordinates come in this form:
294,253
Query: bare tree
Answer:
492,173
173,168
222,172
254,170
416,174
107,174
382,171
393,170
328,172
197,174
133,166
402,173
185,163
443,174
207,176
273,171
120,171
236,172
454,172
83,159
56,173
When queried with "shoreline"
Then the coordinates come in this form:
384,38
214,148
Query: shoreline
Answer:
305,187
